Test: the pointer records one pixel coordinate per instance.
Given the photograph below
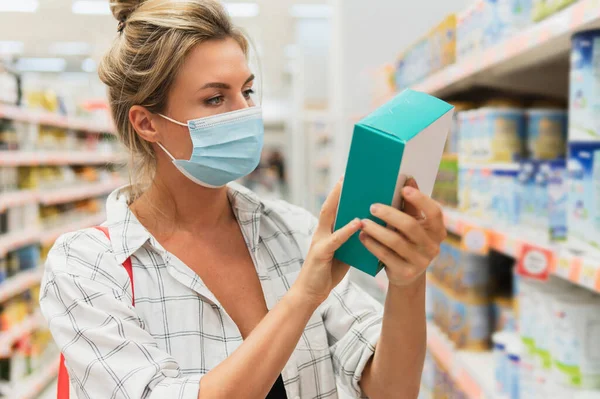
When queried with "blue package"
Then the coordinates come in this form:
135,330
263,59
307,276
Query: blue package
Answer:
526,192
557,199
584,196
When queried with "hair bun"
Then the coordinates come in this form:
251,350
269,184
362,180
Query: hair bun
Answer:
122,9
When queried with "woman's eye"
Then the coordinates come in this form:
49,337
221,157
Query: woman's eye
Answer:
215,100
248,93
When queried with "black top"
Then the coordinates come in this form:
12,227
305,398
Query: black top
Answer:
278,390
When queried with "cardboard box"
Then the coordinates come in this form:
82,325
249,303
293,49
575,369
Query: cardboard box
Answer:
403,138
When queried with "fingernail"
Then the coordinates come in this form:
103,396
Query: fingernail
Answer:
342,178
408,191
356,223
374,208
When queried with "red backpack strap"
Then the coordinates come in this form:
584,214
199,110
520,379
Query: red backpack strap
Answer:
63,375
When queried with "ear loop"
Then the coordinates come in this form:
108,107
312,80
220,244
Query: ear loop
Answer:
174,121
163,147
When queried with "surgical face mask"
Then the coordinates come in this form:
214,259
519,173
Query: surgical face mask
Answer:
226,147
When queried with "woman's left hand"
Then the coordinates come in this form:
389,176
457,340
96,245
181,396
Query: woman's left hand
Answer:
419,231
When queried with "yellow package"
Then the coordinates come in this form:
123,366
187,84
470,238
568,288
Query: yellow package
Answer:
469,323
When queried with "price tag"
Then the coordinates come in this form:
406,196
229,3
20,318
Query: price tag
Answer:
563,267
588,275
575,270
475,240
535,262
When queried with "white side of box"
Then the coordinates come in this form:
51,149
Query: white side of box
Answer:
423,153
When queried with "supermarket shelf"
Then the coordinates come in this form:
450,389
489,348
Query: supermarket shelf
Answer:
34,158
13,241
19,283
581,268
17,198
472,371
48,237
52,119
77,193
10,337
542,42
60,195
32,386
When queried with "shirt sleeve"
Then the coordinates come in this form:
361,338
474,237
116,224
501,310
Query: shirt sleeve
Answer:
85,298
353,321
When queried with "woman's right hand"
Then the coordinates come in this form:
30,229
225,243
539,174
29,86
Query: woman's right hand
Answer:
321,272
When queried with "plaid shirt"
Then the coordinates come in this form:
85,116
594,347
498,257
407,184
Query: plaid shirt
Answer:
178,331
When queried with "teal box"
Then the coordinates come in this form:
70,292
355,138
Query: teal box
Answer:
403,138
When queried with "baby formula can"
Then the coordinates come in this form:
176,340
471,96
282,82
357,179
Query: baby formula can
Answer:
584,96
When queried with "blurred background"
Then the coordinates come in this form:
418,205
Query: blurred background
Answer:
513,302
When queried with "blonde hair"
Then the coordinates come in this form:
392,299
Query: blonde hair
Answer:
155,37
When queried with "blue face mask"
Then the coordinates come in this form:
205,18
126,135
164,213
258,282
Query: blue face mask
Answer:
226,147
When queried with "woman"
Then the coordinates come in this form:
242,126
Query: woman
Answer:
234,297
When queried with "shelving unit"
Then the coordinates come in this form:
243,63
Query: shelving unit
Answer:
24,158
473,372
521,57
8,338
59,195
579,268
52,119
19,283
32,386
535,61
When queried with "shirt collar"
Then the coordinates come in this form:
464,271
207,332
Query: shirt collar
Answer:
127,234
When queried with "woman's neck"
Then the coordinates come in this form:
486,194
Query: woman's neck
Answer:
173,202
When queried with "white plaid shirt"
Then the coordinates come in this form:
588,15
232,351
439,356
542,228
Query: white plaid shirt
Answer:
178,331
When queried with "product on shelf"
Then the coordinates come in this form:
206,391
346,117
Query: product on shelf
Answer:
492,134
546,133
544,8
584,194
459,293
429,54
505,195
453,141
445,190
8,135
485,23
9,179
559,327
584,98
23,259
18,218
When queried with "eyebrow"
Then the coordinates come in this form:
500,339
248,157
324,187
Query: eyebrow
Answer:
225,86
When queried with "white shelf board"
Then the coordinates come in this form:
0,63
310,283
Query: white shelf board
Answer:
78,192
8,338
34,158
35,385
541,43
16,240
581,268
51,119
48,237
19,283
473,372
60,195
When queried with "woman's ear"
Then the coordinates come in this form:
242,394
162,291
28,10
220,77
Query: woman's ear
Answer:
144,123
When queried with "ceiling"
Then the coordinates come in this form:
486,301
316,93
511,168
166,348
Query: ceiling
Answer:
54,22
